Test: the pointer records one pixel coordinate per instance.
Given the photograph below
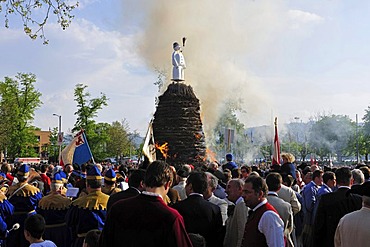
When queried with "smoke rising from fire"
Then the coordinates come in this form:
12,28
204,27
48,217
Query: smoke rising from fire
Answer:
224,40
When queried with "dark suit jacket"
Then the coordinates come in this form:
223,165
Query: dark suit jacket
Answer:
130,192
202,217
332,207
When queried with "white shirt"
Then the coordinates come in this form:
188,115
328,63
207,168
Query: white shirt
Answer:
272,226
151,194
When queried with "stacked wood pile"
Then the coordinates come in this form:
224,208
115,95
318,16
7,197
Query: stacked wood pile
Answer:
177,122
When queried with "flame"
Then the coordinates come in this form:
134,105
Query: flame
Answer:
163,148
198,135
211,155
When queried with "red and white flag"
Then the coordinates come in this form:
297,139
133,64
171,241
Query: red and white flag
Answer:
276,154
77,152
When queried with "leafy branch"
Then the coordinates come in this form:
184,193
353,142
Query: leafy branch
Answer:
33,27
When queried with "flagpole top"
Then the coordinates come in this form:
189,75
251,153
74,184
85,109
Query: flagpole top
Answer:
275,121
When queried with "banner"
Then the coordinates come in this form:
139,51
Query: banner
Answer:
149,145
77,152
276,154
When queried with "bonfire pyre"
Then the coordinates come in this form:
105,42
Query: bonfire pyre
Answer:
177,127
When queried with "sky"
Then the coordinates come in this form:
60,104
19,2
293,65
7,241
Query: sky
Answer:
288,59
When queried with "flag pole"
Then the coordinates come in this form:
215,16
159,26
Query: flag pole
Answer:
276,155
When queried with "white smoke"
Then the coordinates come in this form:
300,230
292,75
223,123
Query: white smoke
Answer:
225,39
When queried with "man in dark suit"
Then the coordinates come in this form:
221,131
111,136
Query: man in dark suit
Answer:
135,182
145,220
332,207
200,216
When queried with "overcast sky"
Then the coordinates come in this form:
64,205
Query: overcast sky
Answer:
286,59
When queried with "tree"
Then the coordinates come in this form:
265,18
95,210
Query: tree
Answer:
331,135
19,100
241,146
363,138
54,147
98,138
87,108
32,25
119,143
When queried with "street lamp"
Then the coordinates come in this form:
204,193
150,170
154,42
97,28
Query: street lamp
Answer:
60,137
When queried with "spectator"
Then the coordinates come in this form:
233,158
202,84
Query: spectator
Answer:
150,222
264,226
92,238
200,215
332,207
34,227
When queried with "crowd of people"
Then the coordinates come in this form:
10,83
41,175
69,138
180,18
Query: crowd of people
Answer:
184,205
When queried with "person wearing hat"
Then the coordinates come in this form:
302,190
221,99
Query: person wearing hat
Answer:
178,62
25,198
89,211
182,174
110,179
353,228
53,208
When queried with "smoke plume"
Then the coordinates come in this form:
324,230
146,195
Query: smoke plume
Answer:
224,38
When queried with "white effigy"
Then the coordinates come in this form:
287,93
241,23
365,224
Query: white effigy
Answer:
178,62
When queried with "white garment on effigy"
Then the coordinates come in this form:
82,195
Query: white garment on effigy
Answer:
178,62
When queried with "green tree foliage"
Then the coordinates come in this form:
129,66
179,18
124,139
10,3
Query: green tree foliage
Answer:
98,137
363,139
331,135
53,149
119,143
33,24
87,109
19,100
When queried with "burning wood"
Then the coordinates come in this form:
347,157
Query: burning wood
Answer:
210,155
163,149
177,122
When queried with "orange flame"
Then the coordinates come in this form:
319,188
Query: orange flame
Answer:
211,155
198,135
163,148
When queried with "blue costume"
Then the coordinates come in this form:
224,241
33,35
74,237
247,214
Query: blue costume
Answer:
53,208
87,212
110,179
6,211
25,198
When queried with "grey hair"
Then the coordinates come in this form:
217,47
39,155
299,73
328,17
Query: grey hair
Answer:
212,180
238,182
358,176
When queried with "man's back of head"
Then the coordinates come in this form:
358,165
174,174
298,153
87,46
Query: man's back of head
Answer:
136,178
158,174
274,181
344,176
198,181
